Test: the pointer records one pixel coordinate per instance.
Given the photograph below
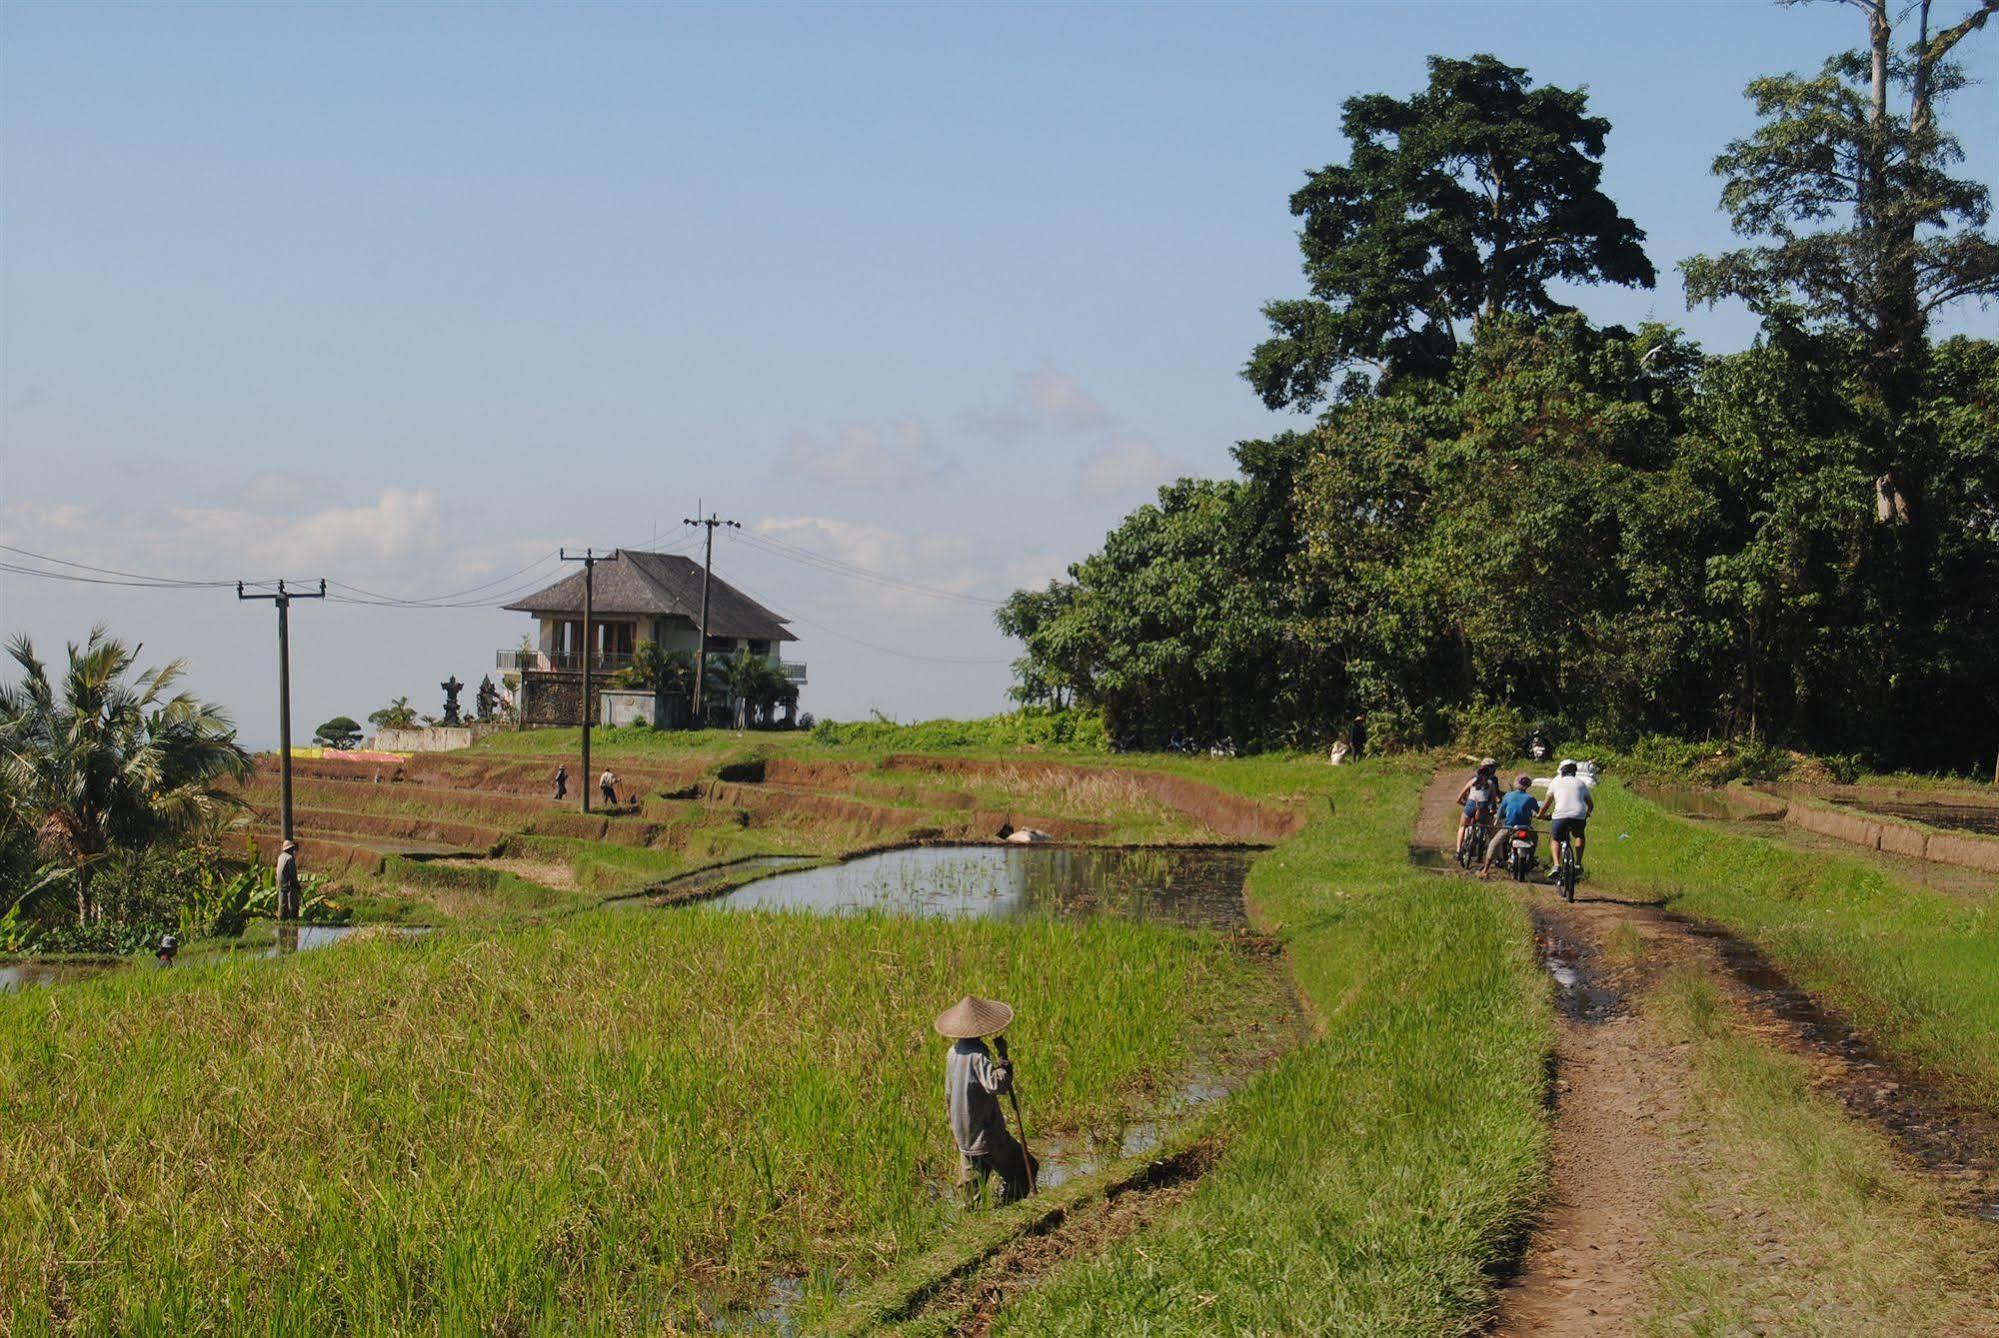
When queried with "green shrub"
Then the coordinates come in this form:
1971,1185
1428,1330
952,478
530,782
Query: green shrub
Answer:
1031,727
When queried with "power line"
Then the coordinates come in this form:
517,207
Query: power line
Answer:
856,572
132,577
844,636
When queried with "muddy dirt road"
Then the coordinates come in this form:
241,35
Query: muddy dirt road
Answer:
1620,1144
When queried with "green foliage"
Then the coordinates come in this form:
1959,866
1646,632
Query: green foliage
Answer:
654,669
398,714
754,686
1079,731
341,732
1459,203
1907,964
1376,1178
100,766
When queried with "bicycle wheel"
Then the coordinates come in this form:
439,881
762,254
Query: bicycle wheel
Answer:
1568,872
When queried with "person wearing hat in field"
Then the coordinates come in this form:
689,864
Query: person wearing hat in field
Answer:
974,1081
287,871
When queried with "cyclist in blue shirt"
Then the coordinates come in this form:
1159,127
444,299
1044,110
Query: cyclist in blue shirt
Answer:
1516,811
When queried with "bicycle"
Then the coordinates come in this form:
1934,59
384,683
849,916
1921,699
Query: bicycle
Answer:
1565,868
1473,838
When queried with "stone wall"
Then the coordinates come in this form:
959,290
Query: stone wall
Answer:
430,739
1873,831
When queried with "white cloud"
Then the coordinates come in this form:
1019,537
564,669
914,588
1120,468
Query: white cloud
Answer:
400,523
940,561
1042,401
863,456
1122,465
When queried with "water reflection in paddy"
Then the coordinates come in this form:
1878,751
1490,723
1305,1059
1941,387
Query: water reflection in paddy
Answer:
1197,888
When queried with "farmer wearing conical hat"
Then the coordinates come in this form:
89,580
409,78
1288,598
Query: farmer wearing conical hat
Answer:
973,1083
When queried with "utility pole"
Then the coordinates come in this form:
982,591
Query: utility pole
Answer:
710,521
589,559
283,599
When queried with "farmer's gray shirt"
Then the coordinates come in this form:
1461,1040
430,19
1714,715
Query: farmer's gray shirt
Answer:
972,1085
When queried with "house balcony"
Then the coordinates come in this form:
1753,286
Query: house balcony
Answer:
543,662
793,671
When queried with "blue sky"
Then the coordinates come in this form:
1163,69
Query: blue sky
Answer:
408,295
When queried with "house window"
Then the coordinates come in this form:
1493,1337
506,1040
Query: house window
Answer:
760,648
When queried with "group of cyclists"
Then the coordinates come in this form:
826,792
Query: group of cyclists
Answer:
1568,804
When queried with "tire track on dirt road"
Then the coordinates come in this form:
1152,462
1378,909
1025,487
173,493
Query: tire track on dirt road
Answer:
1584,1268
1619,1090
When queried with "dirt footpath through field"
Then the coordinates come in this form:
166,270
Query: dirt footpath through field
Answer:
1584,1268
1619,1144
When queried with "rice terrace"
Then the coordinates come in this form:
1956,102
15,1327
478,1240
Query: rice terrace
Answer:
1129,669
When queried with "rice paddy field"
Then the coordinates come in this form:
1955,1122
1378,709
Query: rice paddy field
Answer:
623,1122
579,1105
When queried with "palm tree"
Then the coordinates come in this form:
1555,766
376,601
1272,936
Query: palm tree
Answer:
110,765
754,685
398,714
658,670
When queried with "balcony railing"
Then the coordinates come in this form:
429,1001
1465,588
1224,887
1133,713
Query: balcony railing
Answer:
541,661
794,670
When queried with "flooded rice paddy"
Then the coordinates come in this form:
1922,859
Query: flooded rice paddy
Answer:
1980,818
1195,888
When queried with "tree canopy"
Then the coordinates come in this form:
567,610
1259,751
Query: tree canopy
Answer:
1528,517
1463,201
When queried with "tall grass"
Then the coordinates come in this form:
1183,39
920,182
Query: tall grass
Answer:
1377,1175
1912,966
619,1122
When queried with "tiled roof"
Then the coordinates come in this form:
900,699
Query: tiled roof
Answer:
659,585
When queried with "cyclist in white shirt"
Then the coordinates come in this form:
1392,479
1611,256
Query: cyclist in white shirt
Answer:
1569,803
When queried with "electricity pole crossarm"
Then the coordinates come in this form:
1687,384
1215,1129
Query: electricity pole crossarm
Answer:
283,600
588,557
709,521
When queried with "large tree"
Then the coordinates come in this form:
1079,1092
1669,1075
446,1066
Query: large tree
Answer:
1861,229
1464,201
100,763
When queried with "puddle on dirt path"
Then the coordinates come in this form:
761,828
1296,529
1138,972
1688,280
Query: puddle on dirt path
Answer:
1195,888
1961,1146
1581,994
1980,818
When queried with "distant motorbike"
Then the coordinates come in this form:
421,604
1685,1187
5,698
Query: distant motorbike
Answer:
1223,747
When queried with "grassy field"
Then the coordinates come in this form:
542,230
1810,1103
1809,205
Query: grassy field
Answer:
1911,966
1377,1177
621,1121
1789,1216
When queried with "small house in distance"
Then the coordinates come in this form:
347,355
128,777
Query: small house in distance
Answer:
638,597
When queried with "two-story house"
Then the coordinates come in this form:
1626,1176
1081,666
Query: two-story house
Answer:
638,597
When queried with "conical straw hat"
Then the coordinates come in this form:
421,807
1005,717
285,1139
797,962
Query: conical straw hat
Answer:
972,1016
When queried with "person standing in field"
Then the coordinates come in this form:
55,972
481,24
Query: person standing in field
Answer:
607,785
974,1081
561,782
288,891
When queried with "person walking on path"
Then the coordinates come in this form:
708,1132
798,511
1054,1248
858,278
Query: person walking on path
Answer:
974,1081
607,785
288,894
561,783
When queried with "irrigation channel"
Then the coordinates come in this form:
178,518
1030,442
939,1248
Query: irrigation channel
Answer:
27,973
1617,1093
